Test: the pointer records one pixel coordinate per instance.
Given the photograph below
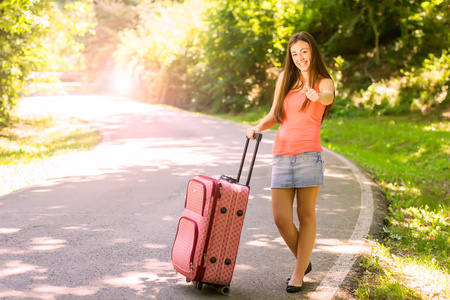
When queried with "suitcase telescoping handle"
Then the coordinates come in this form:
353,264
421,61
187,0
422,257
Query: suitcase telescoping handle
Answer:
258,137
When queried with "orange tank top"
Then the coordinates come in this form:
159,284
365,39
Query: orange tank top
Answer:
299,131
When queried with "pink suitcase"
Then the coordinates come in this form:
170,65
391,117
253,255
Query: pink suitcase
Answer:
209,231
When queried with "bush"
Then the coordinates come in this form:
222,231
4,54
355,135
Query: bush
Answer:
429,86
34,36
224,56
21,26
158,54
415,90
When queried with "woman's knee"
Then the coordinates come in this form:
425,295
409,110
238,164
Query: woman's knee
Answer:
306,218
282,221
282,206
306,210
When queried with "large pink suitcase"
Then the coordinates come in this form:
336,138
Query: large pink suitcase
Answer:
209,231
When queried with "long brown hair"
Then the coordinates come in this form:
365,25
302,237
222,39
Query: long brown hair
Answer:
293,76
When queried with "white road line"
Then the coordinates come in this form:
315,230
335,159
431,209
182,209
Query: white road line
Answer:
330,284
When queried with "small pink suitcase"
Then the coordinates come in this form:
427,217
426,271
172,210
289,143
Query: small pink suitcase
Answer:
209,231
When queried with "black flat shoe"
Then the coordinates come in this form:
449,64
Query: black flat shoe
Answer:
293,289
308,270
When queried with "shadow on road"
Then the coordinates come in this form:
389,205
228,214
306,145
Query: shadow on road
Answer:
103,228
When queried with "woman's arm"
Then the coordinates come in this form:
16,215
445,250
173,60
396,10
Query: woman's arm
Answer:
326,95
269,120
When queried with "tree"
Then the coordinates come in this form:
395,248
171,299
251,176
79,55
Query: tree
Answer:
22,24
243,40
112,17
225,55
31,35
378,13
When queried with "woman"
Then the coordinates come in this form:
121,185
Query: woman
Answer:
304,95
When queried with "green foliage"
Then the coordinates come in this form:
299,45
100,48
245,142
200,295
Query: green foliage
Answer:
33,37
112,17
415,31
158,55
415,90
72,23
423,30
240,45
428,86
214,59
21,25
225,55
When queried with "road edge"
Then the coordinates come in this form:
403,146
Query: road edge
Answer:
339,282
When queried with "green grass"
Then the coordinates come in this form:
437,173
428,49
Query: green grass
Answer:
402,153
251,117
30,139
409,157
388,284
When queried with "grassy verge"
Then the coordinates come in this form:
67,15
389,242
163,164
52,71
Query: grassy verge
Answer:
32,149
409,157
29,139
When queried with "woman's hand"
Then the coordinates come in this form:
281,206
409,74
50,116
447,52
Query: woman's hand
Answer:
326,95
251,131
312,94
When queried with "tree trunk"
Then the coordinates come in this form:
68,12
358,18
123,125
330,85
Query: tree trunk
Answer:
376,32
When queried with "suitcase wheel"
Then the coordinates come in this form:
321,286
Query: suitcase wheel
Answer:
225,290
198,285
188,280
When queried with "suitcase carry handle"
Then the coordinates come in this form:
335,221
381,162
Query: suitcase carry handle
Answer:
258,137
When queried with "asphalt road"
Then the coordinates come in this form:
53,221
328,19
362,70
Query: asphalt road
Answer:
104,227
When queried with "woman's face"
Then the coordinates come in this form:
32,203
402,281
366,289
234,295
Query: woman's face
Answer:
301,55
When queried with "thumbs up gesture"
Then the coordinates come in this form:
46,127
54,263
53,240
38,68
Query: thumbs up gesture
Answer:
311,94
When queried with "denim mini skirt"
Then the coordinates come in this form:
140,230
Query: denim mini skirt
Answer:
301,170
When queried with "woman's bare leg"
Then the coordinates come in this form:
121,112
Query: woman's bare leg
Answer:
282,208
306,211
